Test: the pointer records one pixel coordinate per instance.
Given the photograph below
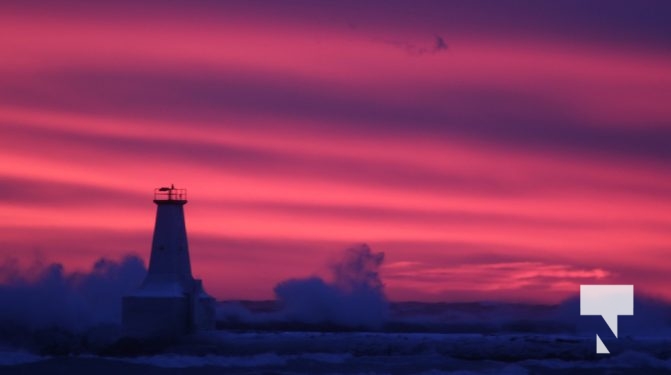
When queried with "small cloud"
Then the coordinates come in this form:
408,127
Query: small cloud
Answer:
438,45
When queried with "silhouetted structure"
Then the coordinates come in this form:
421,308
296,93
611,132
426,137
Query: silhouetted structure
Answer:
170,302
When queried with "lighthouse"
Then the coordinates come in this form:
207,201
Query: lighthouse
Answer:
169,302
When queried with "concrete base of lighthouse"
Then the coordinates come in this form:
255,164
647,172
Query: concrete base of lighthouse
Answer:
167,311
155,316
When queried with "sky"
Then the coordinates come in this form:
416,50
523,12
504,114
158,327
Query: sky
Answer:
493,150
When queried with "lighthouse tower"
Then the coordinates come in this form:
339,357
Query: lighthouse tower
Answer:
169,302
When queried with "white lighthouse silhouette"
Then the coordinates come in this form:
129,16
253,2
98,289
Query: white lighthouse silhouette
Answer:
169,302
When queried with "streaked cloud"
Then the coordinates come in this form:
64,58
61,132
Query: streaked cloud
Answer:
524,152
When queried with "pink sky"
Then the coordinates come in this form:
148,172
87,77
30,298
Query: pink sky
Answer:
524,159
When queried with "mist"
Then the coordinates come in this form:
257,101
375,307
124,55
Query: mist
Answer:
47,296
352,297
355,296
45,304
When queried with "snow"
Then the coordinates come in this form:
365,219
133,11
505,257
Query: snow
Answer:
396,353
258,360
184,361
11,358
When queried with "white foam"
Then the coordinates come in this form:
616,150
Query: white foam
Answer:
183,361
264,359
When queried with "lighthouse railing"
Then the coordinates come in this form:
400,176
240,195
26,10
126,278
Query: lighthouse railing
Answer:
169,194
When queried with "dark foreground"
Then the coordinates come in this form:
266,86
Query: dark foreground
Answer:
367,353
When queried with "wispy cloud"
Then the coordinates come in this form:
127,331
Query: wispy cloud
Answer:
515,152
511,280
